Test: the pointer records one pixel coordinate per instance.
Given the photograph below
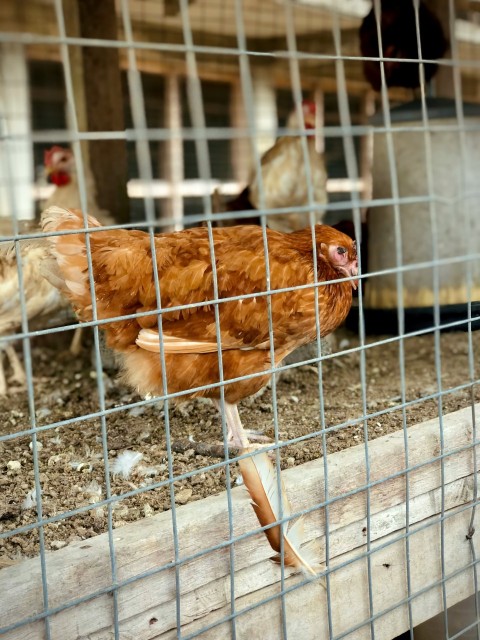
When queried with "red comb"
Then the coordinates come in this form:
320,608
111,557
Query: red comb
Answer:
309,106
48,154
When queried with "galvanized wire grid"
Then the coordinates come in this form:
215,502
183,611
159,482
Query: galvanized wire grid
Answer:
200,134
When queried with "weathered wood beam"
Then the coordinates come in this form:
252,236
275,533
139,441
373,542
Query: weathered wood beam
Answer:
104,106
147,606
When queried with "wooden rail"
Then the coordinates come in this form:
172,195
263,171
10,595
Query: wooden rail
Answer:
147,607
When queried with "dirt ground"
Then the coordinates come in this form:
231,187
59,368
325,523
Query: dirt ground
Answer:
71,465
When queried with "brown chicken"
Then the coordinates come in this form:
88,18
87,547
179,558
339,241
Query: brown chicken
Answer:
399,41
124,284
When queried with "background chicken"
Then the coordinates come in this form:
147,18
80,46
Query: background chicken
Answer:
42,301
61,171
123,273
399,40
284,178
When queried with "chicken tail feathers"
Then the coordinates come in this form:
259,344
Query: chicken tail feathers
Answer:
68,267
260,479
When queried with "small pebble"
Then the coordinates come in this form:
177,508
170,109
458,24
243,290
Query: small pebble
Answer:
147,472
183,496
137,411
148,510
39,445
291,462
14,465
294,399
58,544
53,460
122,511
43,412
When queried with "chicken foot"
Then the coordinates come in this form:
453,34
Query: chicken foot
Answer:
238,437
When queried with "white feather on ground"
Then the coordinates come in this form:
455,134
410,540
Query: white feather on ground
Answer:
124,463
30,500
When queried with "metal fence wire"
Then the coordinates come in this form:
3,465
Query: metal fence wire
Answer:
120,514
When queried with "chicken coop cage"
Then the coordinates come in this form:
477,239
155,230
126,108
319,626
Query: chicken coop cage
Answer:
283,215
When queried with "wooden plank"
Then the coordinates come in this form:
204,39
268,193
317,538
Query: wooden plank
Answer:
83,567
263,576
306,607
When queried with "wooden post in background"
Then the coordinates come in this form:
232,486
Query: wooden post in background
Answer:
240,150
75,54
104,106
319,98
172,154
366,150
16,156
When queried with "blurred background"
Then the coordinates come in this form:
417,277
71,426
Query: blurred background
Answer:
33,96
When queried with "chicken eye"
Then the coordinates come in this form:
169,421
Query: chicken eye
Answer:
341,250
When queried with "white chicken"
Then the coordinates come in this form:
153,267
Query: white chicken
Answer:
61,171
284,175
42,301
285,178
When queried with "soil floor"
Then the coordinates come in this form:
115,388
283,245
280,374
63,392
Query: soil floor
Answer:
71,459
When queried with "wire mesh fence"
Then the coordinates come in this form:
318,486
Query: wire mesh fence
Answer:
227,125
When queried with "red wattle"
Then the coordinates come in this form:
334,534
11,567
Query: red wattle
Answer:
59,178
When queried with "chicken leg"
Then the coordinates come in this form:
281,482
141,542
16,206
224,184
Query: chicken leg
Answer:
76,344
236,433
17,367
3,382
238,437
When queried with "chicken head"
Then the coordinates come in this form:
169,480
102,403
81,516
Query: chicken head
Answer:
59,164
343,258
